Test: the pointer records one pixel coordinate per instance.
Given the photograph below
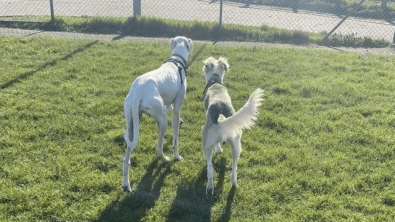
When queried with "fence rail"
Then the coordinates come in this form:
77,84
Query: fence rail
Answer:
367,18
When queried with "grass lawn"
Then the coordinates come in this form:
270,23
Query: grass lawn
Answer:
198,30
322,149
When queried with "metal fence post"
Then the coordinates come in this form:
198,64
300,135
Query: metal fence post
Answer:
384,4
136,8
221,3
341,21
52,10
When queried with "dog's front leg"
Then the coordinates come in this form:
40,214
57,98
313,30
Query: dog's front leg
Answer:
218,148
162,126
170,107
156,109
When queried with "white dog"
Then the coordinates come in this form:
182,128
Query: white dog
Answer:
222,123
151,93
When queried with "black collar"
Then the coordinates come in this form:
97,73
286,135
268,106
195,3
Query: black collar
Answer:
173,59
214,79
182,58
179,64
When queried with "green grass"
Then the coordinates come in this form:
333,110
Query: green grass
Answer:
156,27
322,148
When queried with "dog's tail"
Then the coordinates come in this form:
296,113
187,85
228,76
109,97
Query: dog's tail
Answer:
242,119
131,111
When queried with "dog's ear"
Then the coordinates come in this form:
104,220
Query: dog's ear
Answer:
172,43
224,63
208,64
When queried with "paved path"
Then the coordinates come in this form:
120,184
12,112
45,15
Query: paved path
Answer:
204,10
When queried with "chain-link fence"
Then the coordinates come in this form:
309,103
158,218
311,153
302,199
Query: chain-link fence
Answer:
364,18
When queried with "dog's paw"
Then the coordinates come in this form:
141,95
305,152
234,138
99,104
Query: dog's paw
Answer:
209,189
165,159
178,157
233,179
127,189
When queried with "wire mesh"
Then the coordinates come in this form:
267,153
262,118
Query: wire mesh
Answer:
370,18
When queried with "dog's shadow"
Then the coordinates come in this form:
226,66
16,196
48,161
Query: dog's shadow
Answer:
136,205
190,204
193,204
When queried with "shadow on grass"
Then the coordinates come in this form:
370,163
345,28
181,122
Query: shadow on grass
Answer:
135,206
197,54
46,65
193,204
155,27
227,213
164,28
132,26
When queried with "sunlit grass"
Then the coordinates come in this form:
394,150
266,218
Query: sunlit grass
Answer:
322,148
199,30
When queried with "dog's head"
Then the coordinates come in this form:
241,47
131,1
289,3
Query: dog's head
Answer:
213,68
182,46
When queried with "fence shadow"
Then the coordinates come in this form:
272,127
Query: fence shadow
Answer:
135,206
46,65
192,203
197,54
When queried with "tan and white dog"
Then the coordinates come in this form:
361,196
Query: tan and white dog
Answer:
222,123
151,93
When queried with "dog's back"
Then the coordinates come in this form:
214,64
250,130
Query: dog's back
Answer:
217,101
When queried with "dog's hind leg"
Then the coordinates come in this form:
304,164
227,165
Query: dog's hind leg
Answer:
126,164
176,129
210,138
236,151
130,136
208,153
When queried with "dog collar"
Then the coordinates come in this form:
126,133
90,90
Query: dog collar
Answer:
179,64
213,80
185,63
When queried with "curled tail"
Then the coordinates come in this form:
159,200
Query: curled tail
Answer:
131,112
242,119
